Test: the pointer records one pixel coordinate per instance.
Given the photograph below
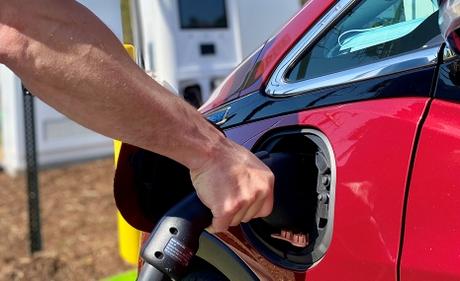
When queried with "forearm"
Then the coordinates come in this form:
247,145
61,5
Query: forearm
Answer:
67,57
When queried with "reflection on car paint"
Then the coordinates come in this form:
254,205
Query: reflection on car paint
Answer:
259,106
383,129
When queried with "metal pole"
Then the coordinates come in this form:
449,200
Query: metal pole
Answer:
32,173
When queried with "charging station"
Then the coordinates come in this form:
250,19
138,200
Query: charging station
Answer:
194,44
58,139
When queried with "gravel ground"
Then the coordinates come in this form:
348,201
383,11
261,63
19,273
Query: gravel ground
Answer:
78,225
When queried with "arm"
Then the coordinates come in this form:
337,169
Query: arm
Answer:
71,61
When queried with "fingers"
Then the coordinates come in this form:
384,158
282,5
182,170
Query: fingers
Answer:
264,205
232,214
252,211
236,186
244,210
267,206
220,224
229,215
238,218
261,207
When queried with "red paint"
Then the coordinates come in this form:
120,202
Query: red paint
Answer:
372,142
432,239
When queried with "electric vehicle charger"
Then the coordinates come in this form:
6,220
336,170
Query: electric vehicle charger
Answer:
174,240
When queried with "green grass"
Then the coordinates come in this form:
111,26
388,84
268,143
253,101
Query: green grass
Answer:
127,276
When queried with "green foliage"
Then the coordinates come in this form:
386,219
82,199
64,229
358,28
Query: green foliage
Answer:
127,276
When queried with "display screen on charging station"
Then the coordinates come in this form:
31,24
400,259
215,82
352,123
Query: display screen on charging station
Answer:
202,14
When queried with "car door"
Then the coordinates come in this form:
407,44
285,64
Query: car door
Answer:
431,248
360,81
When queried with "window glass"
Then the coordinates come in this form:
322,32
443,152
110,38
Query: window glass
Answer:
202,14
372,31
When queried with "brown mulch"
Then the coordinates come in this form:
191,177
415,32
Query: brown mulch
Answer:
78,225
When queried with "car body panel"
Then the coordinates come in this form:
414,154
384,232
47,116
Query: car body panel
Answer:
259,106
372,165
431,248
366,231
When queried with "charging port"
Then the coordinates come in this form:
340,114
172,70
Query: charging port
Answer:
298,232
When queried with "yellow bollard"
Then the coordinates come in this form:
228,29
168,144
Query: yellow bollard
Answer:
128,237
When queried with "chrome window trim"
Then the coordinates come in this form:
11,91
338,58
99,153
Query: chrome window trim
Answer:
278,86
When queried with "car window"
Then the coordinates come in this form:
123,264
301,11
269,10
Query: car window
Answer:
372,31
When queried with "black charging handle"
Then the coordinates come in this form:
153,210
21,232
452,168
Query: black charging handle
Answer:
174,241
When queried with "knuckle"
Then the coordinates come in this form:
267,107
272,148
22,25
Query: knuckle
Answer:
262,192
244,199
258,197
228,210
240,203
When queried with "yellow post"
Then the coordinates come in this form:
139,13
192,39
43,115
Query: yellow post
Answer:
128,237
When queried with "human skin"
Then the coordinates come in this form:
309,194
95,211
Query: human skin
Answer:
69,59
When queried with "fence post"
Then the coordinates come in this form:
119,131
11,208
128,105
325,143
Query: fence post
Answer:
32,173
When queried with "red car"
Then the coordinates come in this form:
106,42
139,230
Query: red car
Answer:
358,102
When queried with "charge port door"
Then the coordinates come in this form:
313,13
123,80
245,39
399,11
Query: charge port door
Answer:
298,232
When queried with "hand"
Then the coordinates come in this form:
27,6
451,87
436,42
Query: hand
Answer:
235,185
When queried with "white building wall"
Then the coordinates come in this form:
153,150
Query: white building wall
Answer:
12,121
163,46
260,19
58,138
